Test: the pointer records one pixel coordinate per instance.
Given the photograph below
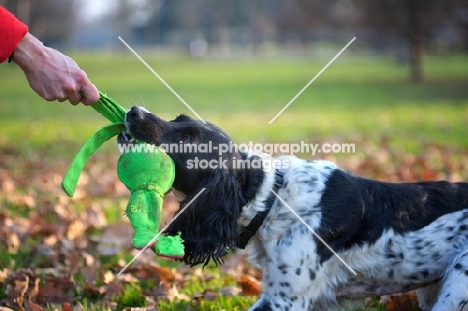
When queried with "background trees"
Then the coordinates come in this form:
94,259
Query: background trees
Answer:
406,28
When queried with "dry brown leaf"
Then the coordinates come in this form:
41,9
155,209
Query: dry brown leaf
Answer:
21,284
95,216
56,290
169,292
33,289
3,275
66,307
17,285
13,243
38,226
230,291
108,277
22,200
147,272
12,303
89,273
31,306
127,278
207,294
165,274
50,240
116,238
406,302
7,183
113,290
75,229
93,291
161,290
210,295
250,286
202,274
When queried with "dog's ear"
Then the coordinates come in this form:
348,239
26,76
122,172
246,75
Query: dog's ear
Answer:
251,178
209,224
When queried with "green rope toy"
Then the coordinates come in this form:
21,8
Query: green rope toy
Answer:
148,176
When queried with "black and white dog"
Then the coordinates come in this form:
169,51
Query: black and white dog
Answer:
401,234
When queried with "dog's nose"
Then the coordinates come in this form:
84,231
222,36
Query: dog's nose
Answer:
135,113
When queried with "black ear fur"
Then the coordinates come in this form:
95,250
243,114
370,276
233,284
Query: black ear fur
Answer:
251,178
209,225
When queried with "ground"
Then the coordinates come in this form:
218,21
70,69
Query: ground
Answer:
65,252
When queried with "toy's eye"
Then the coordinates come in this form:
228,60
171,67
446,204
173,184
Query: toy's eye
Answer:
185,139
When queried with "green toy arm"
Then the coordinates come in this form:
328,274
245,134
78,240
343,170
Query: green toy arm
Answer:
101,136
114,113
109,109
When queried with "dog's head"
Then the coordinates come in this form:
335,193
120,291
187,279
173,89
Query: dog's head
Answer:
209,168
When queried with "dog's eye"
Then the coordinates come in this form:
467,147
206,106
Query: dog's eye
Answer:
185,139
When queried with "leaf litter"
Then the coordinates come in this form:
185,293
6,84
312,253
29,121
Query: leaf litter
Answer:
63,253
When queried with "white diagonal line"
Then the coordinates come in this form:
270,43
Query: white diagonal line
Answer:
313,232
161,79
159,233
310,82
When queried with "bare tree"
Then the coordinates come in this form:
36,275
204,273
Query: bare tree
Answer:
49,20
413,20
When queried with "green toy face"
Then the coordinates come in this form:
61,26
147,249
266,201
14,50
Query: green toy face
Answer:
137,168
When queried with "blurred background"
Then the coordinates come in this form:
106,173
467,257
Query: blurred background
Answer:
229,29
399,93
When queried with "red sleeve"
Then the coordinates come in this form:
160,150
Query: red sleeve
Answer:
11,33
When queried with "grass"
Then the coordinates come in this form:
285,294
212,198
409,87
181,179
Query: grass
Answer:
355,95
358,99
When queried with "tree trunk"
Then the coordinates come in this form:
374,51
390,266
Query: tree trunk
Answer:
416,50
415,39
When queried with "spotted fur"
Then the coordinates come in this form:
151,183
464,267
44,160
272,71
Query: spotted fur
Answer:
400,242
403,234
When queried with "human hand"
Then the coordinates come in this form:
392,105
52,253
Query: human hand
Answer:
53,75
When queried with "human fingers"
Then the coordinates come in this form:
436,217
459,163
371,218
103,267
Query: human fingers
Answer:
74,98
90,94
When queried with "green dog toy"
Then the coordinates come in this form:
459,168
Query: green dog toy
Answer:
148,176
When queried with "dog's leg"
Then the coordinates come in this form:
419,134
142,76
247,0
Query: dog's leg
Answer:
453,294
293,278
427,296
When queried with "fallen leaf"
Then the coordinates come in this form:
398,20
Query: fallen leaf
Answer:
75,229
108,277
230,291
31,306
406,302
165,274
113,290
66,307
250,286
93,291
169,292
116,238
17,285
207,294
151,272
56,290
12,303
3,275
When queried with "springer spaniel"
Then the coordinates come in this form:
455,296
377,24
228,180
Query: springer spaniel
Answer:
310,225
